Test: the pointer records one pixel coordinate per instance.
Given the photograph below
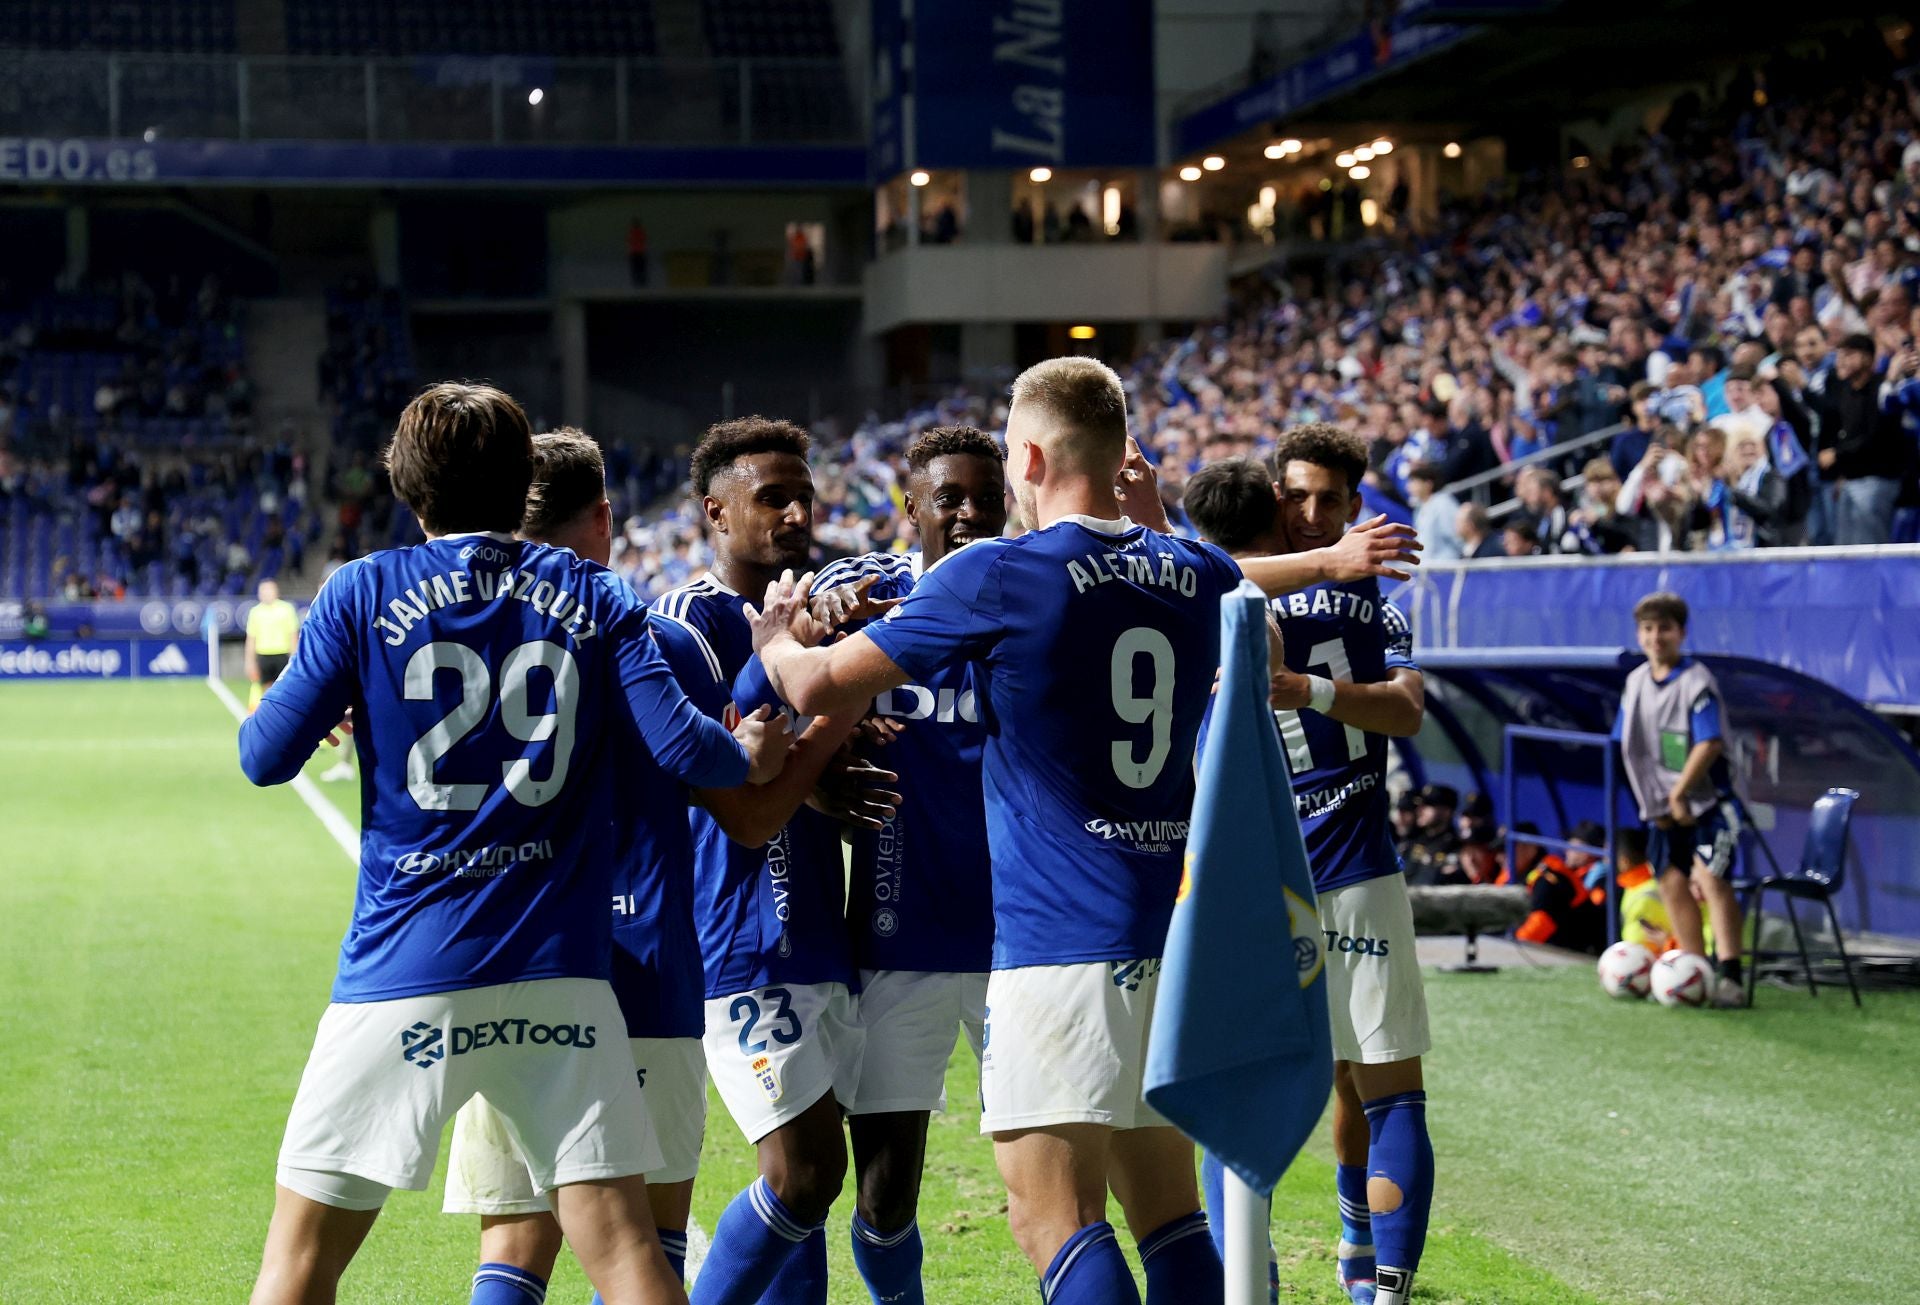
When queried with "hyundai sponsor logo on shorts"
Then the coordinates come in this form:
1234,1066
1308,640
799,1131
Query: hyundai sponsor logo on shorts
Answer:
1142,835
475,863
426,1046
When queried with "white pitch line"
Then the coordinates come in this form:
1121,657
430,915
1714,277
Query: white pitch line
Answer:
349,840
324,811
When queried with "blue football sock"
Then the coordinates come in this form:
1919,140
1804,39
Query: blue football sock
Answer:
753,1241
1399,1151
1089,1270
506,1284
1356,1224
1182,1264
1213,1190
674,1242
889,1262
804,1280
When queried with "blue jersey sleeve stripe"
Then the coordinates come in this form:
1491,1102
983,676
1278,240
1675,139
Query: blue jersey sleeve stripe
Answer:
848,570
699,641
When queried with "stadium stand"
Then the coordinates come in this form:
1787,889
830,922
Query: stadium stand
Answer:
596,28
1529,320
116,522
128,465
185,26
770,29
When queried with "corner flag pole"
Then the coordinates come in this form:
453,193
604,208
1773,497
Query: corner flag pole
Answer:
212,631
1247,1216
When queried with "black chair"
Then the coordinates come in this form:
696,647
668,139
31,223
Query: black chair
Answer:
1822,871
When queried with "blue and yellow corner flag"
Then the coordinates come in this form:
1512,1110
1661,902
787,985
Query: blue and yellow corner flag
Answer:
1240,1058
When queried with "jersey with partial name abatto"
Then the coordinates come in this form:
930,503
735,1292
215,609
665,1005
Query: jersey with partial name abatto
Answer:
1096,644
1343,632
488,679
920,896
764,914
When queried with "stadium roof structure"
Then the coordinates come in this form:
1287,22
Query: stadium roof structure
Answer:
1485,65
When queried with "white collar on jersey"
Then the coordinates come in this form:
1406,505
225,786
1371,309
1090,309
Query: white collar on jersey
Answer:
1095,524
917,564
498,536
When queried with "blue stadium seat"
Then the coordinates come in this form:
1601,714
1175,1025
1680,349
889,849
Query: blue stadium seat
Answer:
1821,873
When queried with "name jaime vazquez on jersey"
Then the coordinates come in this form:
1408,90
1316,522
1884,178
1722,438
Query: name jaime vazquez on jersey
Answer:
452,587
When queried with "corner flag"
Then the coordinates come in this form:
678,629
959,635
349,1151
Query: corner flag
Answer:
1241,1057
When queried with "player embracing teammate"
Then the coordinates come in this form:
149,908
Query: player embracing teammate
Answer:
1348,684
1096,639
491,682
485,674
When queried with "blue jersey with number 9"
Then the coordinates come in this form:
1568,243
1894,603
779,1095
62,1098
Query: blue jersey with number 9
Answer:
491,682
1097,642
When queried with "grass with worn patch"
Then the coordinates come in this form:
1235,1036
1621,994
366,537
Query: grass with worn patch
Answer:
171,935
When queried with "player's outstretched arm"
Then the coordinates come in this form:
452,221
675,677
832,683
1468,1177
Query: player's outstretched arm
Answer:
1394,707
307,702
689,745
1375,547
838,679
754,814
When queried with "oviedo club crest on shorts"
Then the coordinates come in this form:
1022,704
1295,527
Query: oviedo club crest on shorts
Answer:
762,1067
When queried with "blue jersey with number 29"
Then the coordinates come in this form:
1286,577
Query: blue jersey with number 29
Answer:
1098,642
490,681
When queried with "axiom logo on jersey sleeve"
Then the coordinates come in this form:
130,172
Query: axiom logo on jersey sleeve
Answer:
426,1046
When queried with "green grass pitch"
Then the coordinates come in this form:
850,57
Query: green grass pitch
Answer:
169,941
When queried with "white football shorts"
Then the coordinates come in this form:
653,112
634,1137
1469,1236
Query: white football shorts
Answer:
911,1020
550,1055
1067,1044
775,1051
486,1174
1375,997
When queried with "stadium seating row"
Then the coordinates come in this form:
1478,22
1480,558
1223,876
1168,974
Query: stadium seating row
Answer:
756,29
134,26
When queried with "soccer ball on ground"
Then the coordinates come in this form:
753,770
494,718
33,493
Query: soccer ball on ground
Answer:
1682,979
1626,970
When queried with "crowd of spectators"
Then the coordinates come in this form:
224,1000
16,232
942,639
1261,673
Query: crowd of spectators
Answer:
129,463
153,363
1704,341
111,520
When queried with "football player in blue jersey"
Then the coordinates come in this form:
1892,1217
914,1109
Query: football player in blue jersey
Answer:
1097,641
656,959
1348,684
488,678
919,910
782,1033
